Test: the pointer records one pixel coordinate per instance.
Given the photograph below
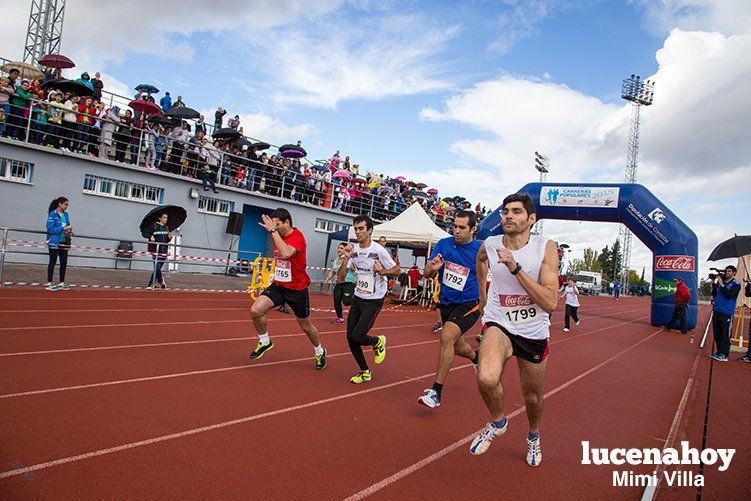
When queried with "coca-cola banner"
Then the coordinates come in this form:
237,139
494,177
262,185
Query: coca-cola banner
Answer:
674,245
675,263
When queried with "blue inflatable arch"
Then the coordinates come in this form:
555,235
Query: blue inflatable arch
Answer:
673,244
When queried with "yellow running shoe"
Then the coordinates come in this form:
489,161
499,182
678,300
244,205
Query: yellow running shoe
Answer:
260,350
360,377
380,350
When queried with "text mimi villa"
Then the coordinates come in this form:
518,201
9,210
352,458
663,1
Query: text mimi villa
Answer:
684,455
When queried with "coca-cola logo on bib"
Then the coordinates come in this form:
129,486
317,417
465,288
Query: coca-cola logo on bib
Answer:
514,300
675,263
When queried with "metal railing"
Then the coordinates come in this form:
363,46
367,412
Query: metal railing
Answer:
158,148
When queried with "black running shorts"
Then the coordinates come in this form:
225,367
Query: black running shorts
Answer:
531,350
464,315
298,301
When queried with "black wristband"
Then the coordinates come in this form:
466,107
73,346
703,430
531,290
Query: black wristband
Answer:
517,269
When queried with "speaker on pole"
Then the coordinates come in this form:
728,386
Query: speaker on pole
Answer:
235,223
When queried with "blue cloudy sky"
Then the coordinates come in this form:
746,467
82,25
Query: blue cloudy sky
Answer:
457,94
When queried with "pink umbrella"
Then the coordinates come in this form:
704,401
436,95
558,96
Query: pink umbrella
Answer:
400,179
432,191
344,174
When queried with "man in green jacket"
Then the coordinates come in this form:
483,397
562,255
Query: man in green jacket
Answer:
19,107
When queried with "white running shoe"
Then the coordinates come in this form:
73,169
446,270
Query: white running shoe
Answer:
534,453
482,441
565,329
430,399
577,322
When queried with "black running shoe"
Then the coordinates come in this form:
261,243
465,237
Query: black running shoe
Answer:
260,350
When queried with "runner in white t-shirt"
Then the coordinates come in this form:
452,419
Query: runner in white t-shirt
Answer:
572,303
524,289
372,265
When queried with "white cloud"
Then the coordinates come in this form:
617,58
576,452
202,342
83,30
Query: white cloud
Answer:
710,208
267,128
730,17
108,31
371,59
521,20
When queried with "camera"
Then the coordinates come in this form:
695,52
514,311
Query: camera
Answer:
718,271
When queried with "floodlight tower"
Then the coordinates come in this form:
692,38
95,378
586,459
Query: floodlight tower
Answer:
45,30
542,163
639,92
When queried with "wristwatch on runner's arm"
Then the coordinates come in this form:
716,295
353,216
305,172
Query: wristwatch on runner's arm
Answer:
517,269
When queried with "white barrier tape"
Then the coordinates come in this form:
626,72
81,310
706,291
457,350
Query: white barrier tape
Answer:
103,250
122,287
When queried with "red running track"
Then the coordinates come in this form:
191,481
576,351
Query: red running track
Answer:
117,394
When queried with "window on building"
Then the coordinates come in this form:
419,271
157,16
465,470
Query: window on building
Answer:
123,190
327,226
216,206
15,170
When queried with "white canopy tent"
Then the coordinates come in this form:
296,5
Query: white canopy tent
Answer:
413,226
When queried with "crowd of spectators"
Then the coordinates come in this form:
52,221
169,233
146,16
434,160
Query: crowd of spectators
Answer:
84,124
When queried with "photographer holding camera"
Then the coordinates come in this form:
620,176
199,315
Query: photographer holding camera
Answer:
723,308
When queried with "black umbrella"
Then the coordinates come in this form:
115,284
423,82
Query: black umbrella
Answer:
147,88
227,133
65,85
418,194
259,146
182,113
734,247
164,121
176,217
243,141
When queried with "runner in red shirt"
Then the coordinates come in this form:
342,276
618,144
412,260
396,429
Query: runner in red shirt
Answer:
290,285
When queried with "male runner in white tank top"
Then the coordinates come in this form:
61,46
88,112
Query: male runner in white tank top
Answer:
523,291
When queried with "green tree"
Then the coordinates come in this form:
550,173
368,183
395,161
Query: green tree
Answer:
705,288
604,263
591,260
615,260
574,266
641,280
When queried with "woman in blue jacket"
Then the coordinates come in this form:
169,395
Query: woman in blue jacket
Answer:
59,231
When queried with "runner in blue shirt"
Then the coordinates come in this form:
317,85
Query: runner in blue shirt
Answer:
454,262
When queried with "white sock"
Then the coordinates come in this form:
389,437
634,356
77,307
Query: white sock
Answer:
264,338
319,350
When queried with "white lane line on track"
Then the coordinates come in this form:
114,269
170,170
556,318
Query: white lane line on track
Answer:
151,324
177,343
191,373
97,348
103,310
650,492
374,487
463,441
221,369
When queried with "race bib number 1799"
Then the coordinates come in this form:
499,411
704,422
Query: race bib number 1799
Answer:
519,309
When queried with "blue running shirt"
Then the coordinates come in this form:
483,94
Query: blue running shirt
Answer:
457,276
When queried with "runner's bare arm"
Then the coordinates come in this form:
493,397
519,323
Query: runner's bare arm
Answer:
481,270
545,293
432,266
342,271
285,251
